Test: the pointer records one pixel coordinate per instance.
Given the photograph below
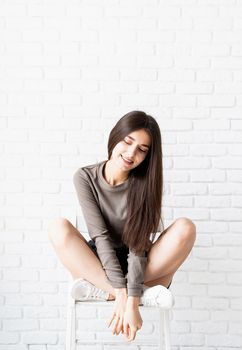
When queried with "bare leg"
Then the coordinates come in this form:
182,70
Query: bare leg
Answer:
169,252
75,254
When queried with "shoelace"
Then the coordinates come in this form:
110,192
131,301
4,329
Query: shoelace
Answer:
150,302
93,292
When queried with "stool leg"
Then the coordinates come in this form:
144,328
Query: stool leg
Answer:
71,325
166,325
161,330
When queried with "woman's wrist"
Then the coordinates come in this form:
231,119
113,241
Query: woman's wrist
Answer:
133,301
121,291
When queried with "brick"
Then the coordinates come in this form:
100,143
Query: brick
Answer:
37,312
77,60
55,300
39,287
24,223
210,303
9,287
225,214
106,74
24,248
172,100
156,36
77,85
185,290
193,339
234,278
21,274
21,299
195,265
181,303
220,189
13,136
214,50
20,325
176,75
156,87
9,261
211,253
229,162
194,213
24,22
214,75
39,337
140,99
213,24
221,100
236,303
41,85
204,240
227,240
53,275
53,325
224,340
206,278
234,253
227,266
10,312
38,261
175,24
180,189
13,347
234,328
194,137
9,338
194,88
209,327
224,290
212,202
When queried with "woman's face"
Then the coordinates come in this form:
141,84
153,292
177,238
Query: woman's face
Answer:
132,150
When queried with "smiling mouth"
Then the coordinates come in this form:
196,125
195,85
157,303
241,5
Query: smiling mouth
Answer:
126,161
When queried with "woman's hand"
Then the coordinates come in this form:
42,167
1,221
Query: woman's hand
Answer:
118,311
132,318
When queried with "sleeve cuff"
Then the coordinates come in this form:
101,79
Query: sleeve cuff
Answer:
135,292
118,284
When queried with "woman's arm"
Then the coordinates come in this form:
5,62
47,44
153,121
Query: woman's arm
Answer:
97,228
135,277
132,318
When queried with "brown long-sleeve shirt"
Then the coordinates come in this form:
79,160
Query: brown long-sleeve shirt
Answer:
104,210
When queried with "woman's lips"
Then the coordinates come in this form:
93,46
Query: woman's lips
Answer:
126,161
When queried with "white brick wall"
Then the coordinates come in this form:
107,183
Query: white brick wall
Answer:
68,71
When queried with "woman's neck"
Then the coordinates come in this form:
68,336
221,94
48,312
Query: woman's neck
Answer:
113,175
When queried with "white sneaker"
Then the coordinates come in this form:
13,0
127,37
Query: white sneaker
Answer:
83,290
157,296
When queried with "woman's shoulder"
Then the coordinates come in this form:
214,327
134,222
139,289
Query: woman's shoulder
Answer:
88,171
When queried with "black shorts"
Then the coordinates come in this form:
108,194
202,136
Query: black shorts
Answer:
122,255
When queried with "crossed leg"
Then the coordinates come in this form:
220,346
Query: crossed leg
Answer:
169,252
165,256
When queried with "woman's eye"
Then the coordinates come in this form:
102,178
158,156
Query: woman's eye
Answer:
127,142
142,150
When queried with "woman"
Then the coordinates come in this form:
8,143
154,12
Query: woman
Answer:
121,202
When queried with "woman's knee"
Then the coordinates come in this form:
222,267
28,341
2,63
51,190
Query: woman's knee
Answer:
59,231
186,230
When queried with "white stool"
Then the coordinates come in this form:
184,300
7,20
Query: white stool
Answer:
71,336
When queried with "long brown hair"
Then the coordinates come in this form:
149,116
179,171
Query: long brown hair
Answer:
144,198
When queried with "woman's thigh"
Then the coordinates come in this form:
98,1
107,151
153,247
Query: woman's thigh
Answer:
169,252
